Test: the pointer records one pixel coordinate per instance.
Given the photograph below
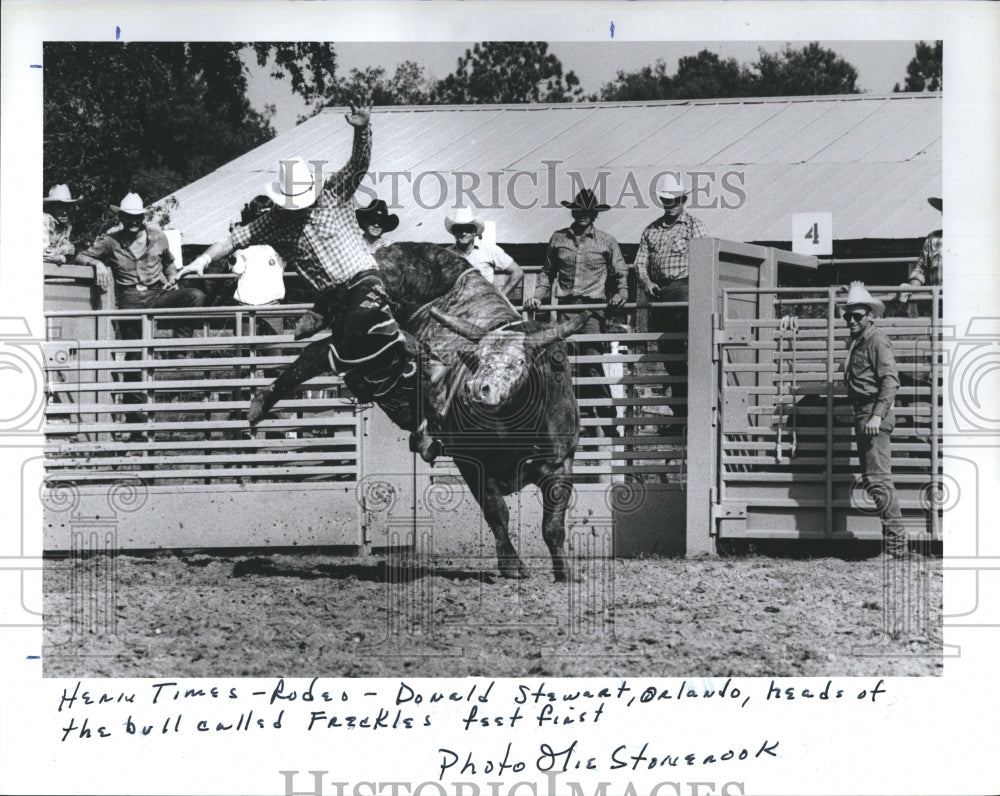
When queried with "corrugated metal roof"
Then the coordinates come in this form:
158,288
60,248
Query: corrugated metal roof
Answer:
871,161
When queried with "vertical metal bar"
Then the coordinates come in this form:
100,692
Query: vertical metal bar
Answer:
935,470
828,500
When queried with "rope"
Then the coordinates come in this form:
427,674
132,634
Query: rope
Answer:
789,323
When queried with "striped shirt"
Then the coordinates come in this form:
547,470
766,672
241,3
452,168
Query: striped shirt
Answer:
663,249
324,242
589,266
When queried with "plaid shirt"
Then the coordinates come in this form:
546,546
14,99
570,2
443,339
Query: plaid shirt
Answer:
55,239
585,266
928,268
663,249
325,243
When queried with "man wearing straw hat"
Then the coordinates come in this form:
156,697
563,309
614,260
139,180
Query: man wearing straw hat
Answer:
661,265
487,258
872,381
927,270
585,266
57,225
136,258
314,225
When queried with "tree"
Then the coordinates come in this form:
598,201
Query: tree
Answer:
789,72
508,72
649,83
810,70
924,73
141,117
407,86
707,75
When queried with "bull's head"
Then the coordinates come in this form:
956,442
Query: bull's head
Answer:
501,360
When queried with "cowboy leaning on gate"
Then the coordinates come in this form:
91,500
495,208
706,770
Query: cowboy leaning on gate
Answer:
315,226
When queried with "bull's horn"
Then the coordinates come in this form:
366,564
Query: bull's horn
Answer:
560,331
467,329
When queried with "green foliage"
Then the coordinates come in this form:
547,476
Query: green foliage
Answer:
924,72
508,72
809,70
143,117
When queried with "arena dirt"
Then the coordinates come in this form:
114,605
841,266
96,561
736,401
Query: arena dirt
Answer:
376,616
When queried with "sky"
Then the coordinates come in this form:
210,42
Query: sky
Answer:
880,64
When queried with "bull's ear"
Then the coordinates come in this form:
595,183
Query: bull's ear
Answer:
469,358
560,331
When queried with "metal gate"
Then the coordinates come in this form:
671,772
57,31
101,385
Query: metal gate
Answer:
787,462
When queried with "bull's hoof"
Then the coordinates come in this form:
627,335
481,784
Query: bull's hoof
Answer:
566,574
512,568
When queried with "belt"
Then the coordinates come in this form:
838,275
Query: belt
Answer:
141,288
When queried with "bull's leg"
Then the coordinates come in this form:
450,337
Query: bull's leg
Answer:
487,494
313,361
556,492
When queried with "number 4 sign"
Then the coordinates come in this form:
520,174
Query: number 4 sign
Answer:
812,233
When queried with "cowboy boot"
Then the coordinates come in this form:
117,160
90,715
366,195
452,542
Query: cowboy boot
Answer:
423,443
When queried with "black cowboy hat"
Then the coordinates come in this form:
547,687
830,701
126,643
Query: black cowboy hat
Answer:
377,211
935,202
585,200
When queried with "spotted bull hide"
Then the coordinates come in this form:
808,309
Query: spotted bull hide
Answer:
497,388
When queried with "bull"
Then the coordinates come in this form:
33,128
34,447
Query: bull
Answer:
496,389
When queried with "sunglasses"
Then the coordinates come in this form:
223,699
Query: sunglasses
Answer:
459,229
855,316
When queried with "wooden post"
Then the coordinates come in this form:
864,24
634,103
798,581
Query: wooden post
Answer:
702,437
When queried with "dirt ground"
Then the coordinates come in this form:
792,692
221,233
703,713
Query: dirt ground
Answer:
297,615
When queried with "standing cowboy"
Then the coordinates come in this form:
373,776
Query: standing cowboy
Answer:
585,266
57,225
927,270
314,226
487,258
872,381
661,264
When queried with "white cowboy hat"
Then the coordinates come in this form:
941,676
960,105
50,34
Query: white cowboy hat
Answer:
858,296
669,187
463,216
131,205
60,193
295,188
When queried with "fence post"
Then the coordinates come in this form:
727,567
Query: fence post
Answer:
702,450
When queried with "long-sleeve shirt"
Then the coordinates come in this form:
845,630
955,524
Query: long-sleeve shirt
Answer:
325,242
663,249
148,263
871,374
582,266
56,244
927,271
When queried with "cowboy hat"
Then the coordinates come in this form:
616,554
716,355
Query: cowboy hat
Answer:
935,202
60,193
668,186
464,216
377,211
295,188
858,296
131,205
585,200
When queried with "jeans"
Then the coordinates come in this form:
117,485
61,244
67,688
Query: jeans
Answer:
594,348
128,298
674,320
875,453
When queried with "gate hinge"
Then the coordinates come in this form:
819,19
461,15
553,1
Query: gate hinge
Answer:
731,337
